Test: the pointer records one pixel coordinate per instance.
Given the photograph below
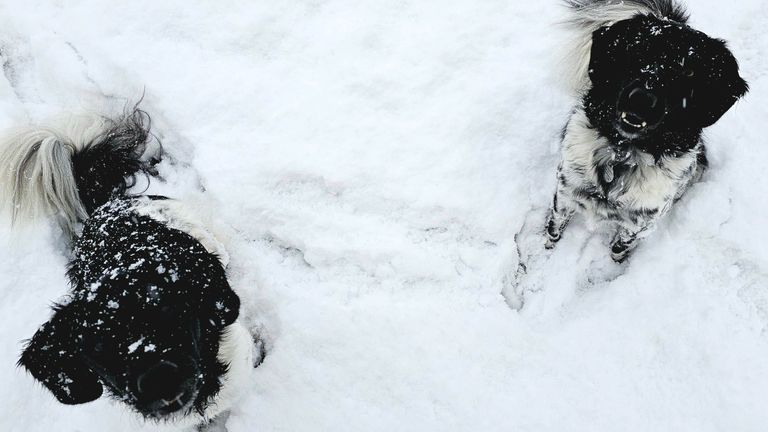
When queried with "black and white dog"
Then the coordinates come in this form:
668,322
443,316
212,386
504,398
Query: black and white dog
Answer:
151,316
648,85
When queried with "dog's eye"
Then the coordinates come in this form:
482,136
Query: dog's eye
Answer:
689,72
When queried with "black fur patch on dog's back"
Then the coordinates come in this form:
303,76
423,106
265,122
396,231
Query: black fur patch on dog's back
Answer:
108,166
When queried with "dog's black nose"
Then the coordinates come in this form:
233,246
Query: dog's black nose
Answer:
640,107
163,380
641,100
166,387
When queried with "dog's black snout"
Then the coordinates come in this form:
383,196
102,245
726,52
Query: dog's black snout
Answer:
640,107
641,101
163,380
167,386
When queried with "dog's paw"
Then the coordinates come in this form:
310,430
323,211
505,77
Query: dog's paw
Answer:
620,251
550,242
619,258
552,233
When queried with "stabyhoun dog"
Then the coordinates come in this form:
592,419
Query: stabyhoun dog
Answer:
150,316
648,84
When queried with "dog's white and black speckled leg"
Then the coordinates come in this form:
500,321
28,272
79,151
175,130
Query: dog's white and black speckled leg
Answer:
560,213
628,235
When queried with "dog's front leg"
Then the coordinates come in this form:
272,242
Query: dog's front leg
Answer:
623,243
560,214
628,235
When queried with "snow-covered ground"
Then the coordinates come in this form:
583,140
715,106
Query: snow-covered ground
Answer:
374,160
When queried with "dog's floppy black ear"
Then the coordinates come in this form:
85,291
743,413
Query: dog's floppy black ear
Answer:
601,56
609,55
52,356
723,90
217,301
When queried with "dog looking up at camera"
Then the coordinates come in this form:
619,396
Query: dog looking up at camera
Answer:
151,316
648,84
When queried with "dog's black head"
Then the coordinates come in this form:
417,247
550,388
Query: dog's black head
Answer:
657,83
144,321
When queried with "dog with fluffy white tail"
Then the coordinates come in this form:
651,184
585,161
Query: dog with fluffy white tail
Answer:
150,317
648,84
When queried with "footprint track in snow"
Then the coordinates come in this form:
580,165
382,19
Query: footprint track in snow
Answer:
550,277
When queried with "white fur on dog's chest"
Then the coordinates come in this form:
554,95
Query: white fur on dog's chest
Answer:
651,185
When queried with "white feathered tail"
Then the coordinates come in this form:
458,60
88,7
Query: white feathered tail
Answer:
70,167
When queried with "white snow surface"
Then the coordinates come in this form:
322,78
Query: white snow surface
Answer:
373,161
